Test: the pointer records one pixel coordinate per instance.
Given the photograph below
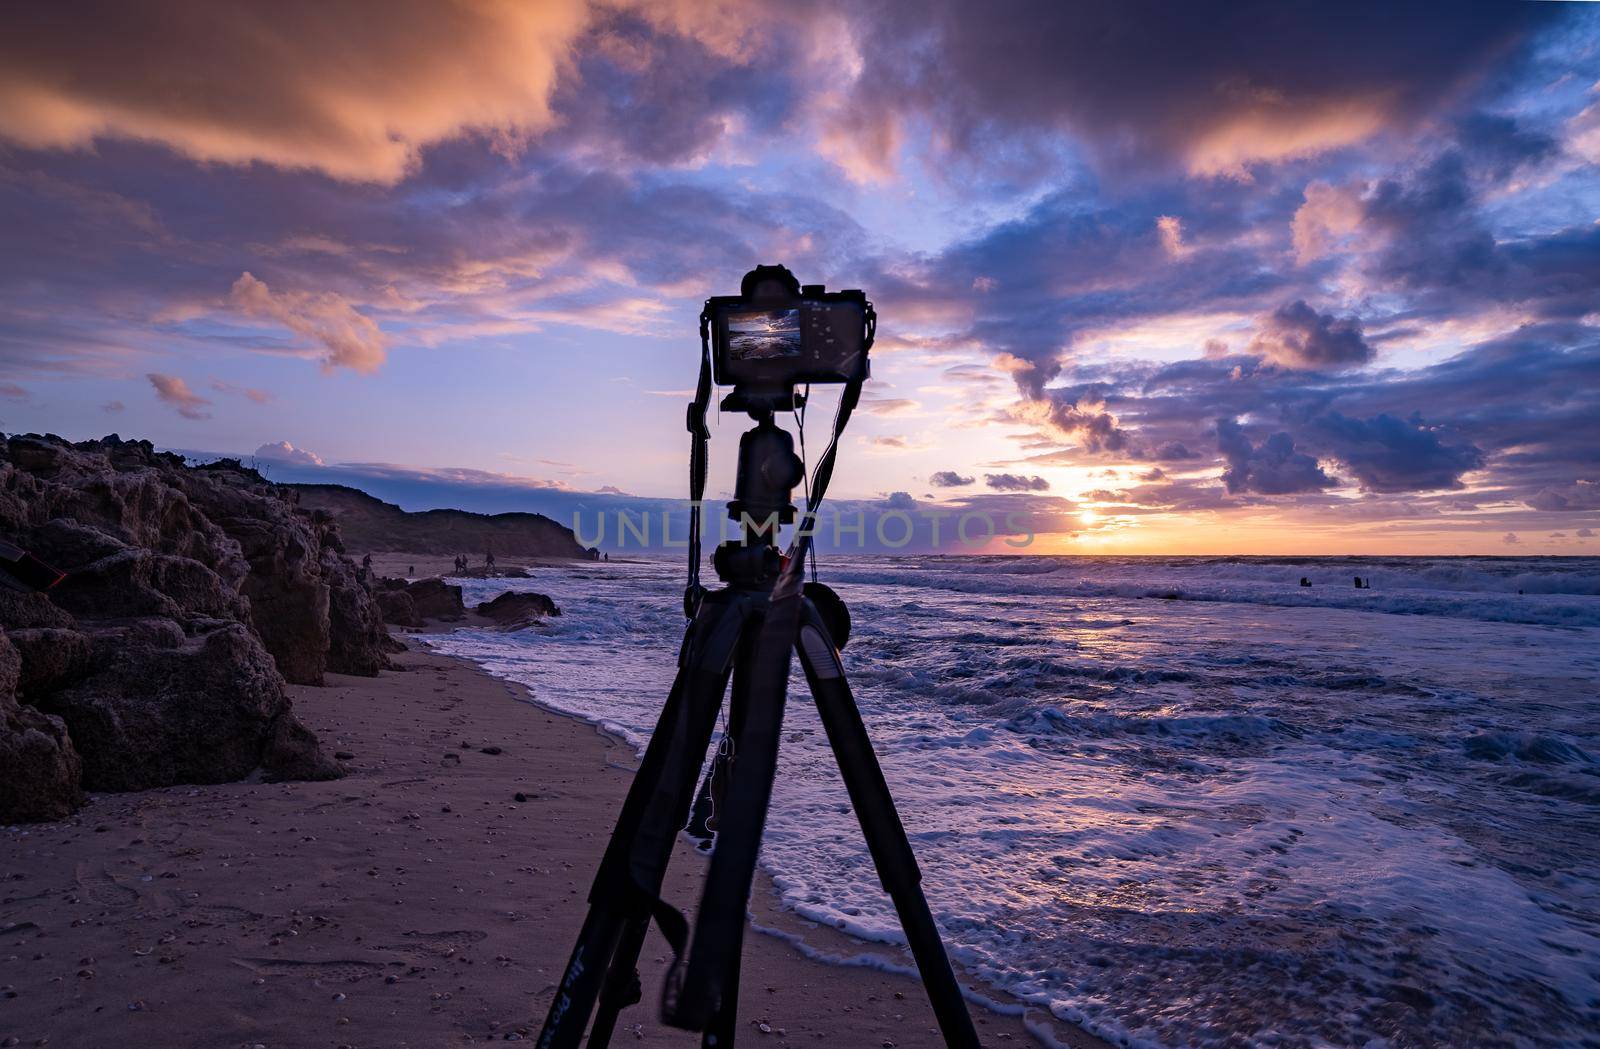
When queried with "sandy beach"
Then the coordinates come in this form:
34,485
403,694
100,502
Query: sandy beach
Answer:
427,899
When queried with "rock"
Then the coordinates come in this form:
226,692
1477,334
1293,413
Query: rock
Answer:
52,657
436,599
397,608
191,593
357,641
208,710
284,583
514,610
39,769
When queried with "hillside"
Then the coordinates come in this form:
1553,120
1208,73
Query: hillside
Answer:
371,525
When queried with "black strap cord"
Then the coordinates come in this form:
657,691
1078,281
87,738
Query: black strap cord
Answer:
794,570
699,463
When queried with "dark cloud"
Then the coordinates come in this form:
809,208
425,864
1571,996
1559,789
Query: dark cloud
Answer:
1016,483
1581,495
1213,87
1271,468
949,479
1387,454
1297,336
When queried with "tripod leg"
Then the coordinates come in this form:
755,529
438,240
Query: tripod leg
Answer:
636,858
597,941
653,842
713,796
880,823
696,987
724,1023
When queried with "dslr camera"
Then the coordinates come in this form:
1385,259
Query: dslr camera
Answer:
776,333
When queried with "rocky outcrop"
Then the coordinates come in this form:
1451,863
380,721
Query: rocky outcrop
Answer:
168,706
39,769
412,604
357,640
513,610
191,594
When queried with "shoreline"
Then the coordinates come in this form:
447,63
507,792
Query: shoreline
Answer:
362,912
816,942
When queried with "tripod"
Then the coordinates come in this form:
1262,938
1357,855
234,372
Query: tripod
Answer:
744,632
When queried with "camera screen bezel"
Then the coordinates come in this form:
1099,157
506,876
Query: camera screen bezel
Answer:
812,364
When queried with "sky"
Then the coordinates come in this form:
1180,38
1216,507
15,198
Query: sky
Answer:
1201,278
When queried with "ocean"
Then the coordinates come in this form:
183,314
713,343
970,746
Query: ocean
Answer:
1186,801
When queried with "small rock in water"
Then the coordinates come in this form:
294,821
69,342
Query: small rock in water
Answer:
520,796
344,755
490,750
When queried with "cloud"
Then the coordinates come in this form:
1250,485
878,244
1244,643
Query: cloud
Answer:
1329,218
1016,483
284,452
351,340
949,479
1585,533
1271,468
317,86
1511,539
249,393
112,407
1297,336
12,392
888,406
1387,454
1214,89
1580,495
171,389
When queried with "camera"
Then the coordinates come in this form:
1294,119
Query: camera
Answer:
776,333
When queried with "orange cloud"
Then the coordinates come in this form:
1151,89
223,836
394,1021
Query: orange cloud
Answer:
351,339
1277,131
172,390
348,88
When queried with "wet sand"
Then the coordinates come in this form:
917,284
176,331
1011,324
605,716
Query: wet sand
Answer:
415,903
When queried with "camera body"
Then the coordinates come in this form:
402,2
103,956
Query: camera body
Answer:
776,333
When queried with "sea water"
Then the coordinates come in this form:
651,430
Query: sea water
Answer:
1187,801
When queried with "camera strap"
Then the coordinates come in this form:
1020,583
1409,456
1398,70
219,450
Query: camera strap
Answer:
699,462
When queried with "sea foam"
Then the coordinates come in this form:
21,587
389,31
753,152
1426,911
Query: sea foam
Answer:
1187,801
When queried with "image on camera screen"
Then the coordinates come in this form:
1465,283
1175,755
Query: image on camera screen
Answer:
758,335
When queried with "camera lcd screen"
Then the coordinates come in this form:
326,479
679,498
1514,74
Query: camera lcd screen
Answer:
759,335
775,344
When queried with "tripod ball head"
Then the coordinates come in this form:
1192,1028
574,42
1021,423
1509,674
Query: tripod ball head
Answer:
768,472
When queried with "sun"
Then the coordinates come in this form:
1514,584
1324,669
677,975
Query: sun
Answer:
1089,517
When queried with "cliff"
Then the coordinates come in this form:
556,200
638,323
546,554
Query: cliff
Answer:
372,525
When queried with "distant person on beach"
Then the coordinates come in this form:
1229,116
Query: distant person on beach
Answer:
488,562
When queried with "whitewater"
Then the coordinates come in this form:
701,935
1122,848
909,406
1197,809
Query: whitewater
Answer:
1185,801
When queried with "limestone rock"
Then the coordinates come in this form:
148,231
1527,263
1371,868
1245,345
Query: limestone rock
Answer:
514,610
39,769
